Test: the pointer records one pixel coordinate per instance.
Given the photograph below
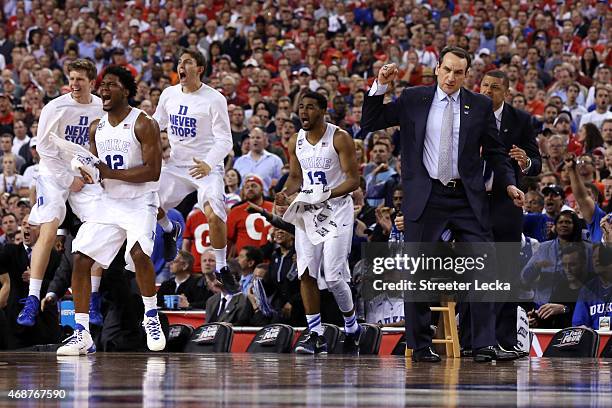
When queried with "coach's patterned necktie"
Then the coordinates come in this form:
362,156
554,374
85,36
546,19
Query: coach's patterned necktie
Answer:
445,156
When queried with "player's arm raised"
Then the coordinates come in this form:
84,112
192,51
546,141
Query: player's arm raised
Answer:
344,145
147,133
294,180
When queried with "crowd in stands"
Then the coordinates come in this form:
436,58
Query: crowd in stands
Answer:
262,55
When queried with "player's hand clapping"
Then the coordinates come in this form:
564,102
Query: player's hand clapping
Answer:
105,171
200,170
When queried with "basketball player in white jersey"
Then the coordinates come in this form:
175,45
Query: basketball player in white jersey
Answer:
68,116
195,116
322,153
127,142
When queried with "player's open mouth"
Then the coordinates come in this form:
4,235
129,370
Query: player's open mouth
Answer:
182,75
105,99
305,121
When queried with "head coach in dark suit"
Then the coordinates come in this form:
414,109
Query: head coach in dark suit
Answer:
446,133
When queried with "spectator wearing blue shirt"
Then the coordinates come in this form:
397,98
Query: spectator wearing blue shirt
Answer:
586,197
538,225
377,172
161,269
545,269
594,305
259,161
248,258
88,46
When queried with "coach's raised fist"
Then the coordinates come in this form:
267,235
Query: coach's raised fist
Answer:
387,74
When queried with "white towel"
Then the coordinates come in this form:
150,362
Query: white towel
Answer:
312,212
81,158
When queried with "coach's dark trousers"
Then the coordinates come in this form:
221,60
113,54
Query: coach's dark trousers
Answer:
447,208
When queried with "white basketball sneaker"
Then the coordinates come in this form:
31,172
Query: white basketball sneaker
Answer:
156,341
78,344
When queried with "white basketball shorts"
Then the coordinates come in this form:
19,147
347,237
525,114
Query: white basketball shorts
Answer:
102,236
175,183
52,193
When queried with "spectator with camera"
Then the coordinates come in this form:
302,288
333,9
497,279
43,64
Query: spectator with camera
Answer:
586,199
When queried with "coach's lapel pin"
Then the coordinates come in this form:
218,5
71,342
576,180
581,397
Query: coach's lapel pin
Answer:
467,109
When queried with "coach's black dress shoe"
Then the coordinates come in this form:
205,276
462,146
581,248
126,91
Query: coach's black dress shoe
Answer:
486,354
466,353
425,355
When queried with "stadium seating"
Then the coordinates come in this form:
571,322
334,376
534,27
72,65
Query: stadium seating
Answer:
573,342
273,338
211,338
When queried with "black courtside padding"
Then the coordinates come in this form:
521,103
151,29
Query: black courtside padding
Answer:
573,342
178,336
273,338
400,347
371,336
211,338
334,337
607,351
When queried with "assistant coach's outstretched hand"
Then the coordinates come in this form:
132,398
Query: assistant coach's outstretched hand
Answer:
387,74
517,196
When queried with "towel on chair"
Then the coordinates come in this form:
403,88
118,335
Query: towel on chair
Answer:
312,212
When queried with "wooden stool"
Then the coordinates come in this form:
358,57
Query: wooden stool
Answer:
450,335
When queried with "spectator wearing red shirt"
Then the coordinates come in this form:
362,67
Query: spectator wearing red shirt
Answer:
244,228
195,237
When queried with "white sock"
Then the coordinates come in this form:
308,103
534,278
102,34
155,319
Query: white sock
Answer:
220,257
95,283
35,285
150,302
314,323
82,319
350,323
165,223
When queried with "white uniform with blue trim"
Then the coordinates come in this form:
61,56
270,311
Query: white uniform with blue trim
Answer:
70,120
320,164
195,122
128,210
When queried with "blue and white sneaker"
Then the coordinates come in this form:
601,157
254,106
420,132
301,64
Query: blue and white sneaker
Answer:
170,239
95,306
156,341
79,343
311,344
27,316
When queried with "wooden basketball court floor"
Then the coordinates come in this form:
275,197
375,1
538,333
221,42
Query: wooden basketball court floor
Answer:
273,380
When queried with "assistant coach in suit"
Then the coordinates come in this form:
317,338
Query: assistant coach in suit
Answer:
443,130
518,136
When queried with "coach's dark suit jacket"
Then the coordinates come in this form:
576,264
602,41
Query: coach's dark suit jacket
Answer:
14,260
516,129
477,129
238,312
